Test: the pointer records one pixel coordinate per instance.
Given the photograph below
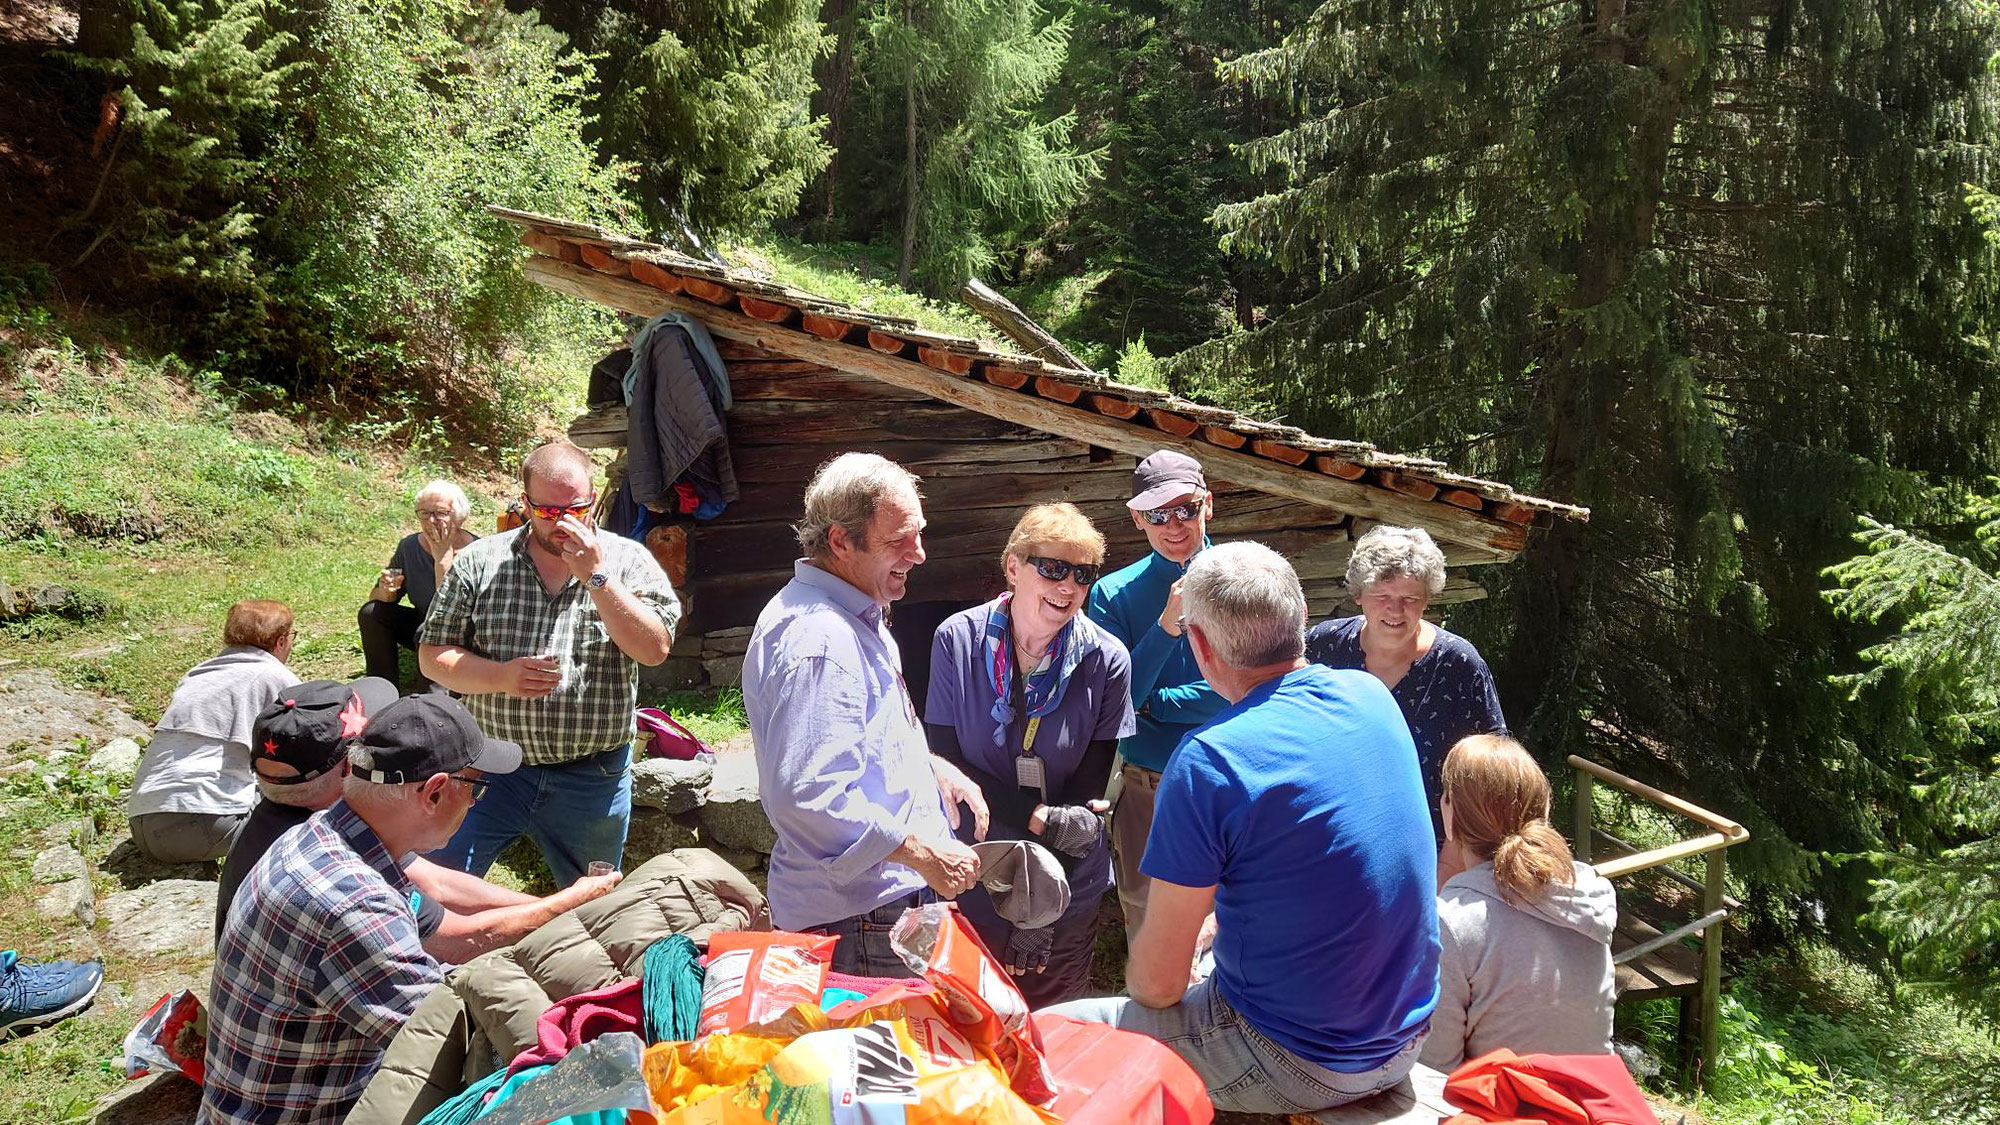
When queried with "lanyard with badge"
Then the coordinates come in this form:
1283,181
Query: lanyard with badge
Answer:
1028,768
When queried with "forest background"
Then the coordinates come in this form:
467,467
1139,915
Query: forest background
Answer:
1722,270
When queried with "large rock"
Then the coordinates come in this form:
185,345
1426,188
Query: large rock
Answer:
165,1099
735,819
654,832
38,715
670,785
731,816
171,917
119,756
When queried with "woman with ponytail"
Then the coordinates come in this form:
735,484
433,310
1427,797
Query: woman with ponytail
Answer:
1525,929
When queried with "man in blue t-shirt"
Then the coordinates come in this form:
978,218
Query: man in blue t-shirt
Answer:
1291,834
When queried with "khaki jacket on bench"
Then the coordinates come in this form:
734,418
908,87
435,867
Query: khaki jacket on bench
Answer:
484,1014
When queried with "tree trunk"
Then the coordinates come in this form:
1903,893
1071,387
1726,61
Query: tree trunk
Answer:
904,270
835,77
103,28
1017,325
1553,589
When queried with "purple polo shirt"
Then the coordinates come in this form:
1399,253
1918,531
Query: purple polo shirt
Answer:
1097,704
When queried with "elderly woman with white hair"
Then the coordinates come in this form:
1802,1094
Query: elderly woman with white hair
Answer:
414,572
1438,678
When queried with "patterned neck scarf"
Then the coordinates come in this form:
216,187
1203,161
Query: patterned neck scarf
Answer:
1046,680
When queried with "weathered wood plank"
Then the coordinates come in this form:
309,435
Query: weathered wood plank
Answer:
764,464
775,421
806,382
1498,539
1009,488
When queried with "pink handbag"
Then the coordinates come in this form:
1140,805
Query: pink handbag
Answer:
662,737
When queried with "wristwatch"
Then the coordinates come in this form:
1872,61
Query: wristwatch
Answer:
597,580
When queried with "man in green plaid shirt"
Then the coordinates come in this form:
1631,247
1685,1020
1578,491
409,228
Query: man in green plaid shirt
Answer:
541,631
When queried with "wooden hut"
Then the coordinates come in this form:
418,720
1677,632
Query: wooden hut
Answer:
989,431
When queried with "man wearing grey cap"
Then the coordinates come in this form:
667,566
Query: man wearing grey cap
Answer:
320,963
1141,606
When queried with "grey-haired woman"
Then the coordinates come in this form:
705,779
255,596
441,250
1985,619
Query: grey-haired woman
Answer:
415,571
1438,677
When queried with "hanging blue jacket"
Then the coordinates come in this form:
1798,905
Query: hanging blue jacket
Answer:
1168,692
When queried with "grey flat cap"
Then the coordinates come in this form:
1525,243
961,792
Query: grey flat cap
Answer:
1024,880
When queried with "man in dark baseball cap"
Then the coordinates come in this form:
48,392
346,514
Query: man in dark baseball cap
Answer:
1141,606
322,957
424,735
301,743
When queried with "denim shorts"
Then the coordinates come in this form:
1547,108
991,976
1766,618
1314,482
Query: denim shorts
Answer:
1245,1072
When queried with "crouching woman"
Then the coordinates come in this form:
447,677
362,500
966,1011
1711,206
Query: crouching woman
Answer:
1525,929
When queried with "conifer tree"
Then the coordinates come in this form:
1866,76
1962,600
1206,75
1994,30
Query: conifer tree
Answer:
1701,267
945,144
201,94
708,100
1141,80
1938,899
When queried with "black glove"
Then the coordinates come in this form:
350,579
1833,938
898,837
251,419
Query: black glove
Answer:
1071,829
1028,950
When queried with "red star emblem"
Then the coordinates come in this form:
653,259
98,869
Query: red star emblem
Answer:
271,747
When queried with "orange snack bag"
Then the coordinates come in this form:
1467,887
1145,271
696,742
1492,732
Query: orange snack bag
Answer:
872,1073
979,997
754,977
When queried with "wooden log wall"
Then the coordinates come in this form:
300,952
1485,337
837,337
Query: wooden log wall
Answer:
978,473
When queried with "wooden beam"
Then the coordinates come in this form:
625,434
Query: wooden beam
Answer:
1496,540
1018,326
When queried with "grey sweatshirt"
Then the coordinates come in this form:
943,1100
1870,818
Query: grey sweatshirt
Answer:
1533,977
199,759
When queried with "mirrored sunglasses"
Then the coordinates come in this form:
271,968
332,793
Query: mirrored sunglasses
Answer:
1055,570
553,512
1185,513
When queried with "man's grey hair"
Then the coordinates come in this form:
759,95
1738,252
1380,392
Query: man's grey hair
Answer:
318,793
1246,600
449,493
1395,552
844,493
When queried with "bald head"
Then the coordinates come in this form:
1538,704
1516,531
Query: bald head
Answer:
556,462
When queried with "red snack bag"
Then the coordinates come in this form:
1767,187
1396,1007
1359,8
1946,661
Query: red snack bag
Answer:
935,941
755,977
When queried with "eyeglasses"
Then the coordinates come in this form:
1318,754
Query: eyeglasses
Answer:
478,784
1185,513
553,512
428,514
1055,570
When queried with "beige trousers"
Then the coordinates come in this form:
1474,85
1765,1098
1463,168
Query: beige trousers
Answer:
1131,823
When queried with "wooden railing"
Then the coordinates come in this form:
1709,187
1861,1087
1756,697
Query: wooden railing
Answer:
1716,906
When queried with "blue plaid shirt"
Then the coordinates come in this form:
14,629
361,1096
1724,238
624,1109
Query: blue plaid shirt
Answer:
319,966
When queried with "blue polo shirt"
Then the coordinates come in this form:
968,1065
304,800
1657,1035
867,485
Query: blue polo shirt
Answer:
1302,807
1168,693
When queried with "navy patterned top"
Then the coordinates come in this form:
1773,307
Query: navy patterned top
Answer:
1447,694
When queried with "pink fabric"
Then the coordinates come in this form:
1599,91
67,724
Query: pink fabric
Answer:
583,1017
868,986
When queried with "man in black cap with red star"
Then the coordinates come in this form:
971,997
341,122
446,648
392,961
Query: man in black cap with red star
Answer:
298,753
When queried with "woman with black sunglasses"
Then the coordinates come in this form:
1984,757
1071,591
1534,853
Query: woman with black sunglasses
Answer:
1029,697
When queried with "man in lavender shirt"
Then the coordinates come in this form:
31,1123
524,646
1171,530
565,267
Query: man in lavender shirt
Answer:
864,814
